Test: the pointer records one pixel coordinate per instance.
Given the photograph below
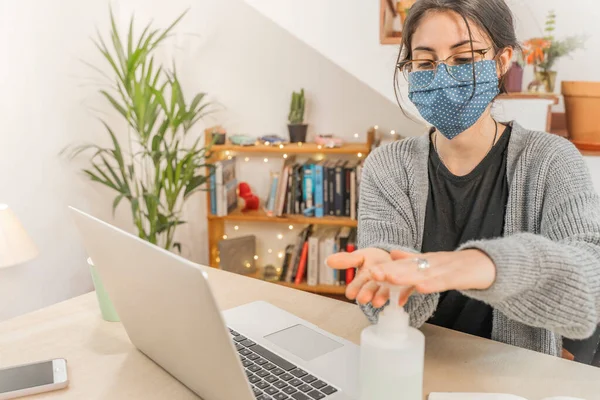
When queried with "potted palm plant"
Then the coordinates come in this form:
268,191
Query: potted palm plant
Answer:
296,126
157,164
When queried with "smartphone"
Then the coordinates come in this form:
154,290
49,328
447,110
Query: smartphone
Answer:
38,377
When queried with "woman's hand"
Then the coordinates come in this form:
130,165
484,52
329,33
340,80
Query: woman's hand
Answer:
363,288
457,270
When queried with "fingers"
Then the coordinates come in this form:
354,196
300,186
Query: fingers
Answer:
404,295
345,260
367,292
357,283
381,296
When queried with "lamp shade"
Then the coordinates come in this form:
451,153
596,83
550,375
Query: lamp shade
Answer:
16,246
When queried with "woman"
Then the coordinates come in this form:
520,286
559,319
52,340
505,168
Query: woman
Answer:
506,220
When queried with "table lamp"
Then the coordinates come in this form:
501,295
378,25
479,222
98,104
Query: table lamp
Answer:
16,247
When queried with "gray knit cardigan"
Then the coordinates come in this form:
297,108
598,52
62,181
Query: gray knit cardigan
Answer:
548,261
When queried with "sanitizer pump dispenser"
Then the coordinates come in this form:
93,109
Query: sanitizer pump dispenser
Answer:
391,356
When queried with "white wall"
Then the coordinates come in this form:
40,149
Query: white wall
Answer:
226,48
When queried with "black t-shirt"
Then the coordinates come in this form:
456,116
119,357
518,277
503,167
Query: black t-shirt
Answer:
459,209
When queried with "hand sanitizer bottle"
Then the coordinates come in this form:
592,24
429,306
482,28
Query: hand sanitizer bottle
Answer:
391,356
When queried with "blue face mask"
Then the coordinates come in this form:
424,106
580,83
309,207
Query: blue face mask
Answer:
447,101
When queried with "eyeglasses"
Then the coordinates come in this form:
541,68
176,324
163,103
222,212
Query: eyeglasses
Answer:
453,64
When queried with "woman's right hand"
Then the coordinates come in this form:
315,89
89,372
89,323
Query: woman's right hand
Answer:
363,288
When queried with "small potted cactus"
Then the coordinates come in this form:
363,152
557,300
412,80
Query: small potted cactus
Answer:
296,125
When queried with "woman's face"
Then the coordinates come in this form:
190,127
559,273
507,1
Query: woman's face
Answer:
442,34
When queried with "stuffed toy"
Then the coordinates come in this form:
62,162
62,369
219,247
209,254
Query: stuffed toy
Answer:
250,199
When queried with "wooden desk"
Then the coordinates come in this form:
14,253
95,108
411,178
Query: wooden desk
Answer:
103,364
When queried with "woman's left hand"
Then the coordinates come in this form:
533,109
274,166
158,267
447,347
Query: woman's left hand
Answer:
456,270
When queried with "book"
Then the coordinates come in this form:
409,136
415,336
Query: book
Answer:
350,247
270,207
282,186
289,198
353,194
312,273
326,248
213,192
308,187
298,202
219,191
326,188
342,241
318,186
286,260
339,188
229,190
296,253
302,264
332,187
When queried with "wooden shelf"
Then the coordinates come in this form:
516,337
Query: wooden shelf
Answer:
294,148
335,290
261,216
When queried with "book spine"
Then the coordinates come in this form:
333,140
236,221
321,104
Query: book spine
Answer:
353,194
325,189
350,271
299,202
281,190
213,193
302,264
286,261
318,175
272,194
347,192
289,202
308,187
332,188
323,268
293,258
219,186
312,275
339,190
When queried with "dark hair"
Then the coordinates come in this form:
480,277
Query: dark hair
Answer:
492,16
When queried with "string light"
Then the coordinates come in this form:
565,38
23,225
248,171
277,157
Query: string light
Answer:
319,147
224,237
267,143
236,227
356,134
280,255
299,144
291,227
359,155
281,146
247,159
392,132
285,156
376,127
280,236
278,269
266,160
255,257
227,153
229,157
269,251
218,259
248,265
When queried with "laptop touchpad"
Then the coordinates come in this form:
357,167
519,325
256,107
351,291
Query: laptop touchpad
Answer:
303,342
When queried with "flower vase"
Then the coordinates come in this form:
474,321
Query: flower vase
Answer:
548,78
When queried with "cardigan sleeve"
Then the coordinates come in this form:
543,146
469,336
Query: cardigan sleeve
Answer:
386,221
551,280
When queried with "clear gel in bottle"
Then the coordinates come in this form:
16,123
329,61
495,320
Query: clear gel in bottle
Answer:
391,356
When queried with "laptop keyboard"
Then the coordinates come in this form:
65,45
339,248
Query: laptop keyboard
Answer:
275,378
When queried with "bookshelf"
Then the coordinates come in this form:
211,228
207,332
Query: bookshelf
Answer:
216,224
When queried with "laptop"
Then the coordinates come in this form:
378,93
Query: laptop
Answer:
255,351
